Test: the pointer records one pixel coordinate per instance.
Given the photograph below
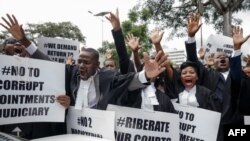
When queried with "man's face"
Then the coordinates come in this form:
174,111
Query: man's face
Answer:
15,49
87,64
110,65
221,62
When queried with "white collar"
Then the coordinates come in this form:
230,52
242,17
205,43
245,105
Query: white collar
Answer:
225,74
191,90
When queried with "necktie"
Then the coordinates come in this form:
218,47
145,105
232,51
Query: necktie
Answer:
220,87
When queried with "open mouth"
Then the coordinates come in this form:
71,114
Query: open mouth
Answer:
18,50
188,82
223,61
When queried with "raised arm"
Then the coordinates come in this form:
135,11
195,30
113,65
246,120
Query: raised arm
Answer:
156,37
193,25
133,43
17,32
235,60
15,29
124,61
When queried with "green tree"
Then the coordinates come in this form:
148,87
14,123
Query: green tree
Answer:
49,29
172,14
106,45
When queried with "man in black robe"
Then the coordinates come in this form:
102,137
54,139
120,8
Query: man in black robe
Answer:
134,98
105,85
222,75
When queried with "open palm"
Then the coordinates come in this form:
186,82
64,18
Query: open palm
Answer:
13,27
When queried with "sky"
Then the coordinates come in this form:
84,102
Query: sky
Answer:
75,11
93,28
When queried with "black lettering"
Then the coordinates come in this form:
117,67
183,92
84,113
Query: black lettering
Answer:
139,123
6,85
17,71
128,122
151,125
3,99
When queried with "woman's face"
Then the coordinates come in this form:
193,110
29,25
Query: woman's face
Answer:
188,77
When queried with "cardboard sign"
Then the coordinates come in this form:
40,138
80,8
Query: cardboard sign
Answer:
28,90
59,49
91,122
197,123
138,125
219,43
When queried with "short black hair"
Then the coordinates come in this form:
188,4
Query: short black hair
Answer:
9,40
190,64
94,52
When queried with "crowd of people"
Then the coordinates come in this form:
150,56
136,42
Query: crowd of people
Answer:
220,84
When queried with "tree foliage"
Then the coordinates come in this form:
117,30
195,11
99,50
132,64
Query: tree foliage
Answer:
49,29
172,14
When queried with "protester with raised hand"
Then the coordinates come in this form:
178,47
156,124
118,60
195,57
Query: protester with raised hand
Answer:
17,32
134,98
133,43
111,86
218,80
31,130
124,61
156,37
244,83
13,27
12,47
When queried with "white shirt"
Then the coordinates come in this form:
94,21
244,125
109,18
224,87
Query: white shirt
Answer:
86,95
149,98
225,74
187,97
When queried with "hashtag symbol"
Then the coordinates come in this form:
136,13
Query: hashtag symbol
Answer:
120,121
6,70
79,120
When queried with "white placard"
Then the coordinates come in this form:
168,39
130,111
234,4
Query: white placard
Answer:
219,43
91,122
133,124
70,137
59,49
28,90
197,123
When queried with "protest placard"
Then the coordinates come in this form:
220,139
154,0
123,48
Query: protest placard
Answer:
91,122
28,90
219,43
59,49
197,124
133,124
